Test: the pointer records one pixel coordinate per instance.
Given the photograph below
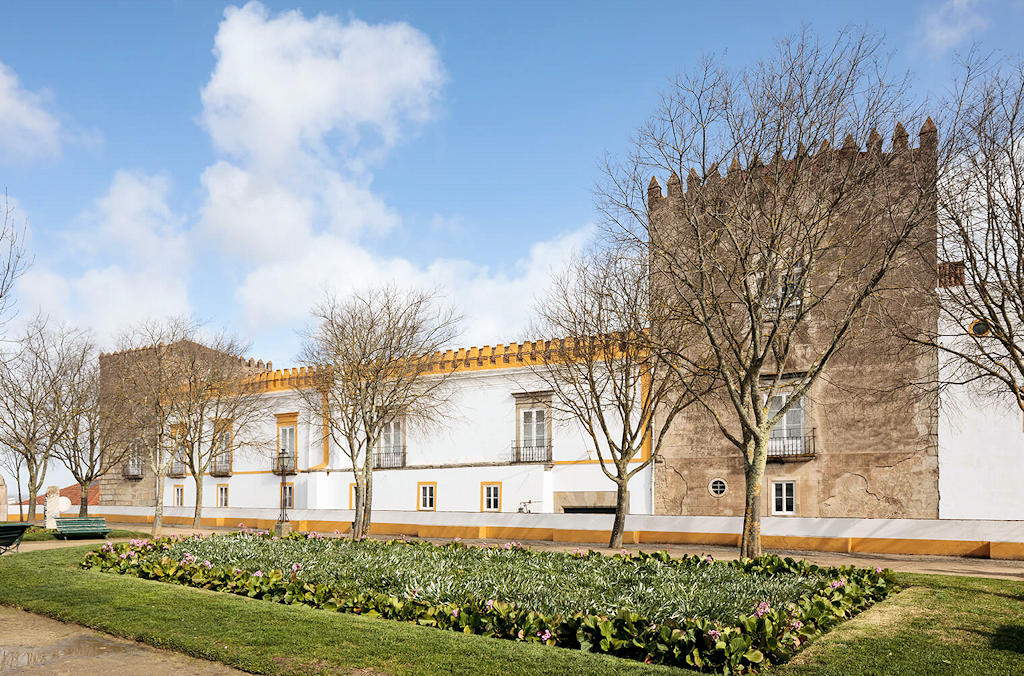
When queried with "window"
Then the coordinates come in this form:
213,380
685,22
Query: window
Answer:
133,465
783,497
490,497
426,492
390,451
179,496
787,437
533,427
178,460
717,487
222,495
790,290
286,458
351,496
288,496
221,450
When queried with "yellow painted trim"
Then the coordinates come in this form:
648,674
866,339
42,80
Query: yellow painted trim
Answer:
973,548
326,432
589,462
483,494
419,496
174,494
352,495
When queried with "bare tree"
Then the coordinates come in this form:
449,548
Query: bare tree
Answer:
146,376
981,224
13,258
373,363
34,396
12,462
603,368
217,410
94,442
780,263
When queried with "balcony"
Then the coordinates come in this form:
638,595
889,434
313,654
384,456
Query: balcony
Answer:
531,452
132,469
390,458
177,469
221,465
791,445
283,464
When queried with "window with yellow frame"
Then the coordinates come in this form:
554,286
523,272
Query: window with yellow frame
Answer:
352,496
426,496
178,497
490,496
222,495
288,495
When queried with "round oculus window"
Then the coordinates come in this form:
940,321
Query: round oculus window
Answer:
717,487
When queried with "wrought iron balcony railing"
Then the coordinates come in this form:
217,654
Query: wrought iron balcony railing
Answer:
132,468
531,452
791,444
283,463
389,458
177,469
221,465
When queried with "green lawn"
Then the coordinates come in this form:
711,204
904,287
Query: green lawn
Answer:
266,637
936,625
36,534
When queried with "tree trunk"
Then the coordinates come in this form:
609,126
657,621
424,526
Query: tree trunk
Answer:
33,494
158,505
83,509
197,518
621,510
367,503
750,544
21,510
357,518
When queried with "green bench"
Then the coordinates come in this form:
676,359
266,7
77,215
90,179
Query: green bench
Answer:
82,526
11,534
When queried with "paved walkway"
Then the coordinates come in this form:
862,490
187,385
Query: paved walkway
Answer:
30,644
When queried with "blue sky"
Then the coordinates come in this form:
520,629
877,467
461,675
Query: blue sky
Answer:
231,161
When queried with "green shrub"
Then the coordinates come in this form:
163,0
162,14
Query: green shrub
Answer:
769,633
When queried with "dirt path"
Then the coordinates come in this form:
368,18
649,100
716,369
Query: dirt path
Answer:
30,644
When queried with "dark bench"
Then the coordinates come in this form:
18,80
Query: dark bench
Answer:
81,526
11,534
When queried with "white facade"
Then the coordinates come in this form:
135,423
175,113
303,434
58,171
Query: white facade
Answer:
472,446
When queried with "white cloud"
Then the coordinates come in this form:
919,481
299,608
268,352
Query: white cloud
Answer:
132,258
301,108
951,23
27,130
286,83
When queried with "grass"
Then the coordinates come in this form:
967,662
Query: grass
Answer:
937,624
37,534
547,582
266,637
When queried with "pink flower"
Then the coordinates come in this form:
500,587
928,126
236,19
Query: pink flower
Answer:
709,558
714,634
507,545
296,567
836,584
545,635
625,553
490,604
207,564
458,539
878,569
762,609
337,532
795,624
455,612
258,573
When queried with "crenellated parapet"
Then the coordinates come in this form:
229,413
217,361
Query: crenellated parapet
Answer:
899,150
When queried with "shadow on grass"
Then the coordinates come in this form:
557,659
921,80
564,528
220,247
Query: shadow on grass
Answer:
1009,637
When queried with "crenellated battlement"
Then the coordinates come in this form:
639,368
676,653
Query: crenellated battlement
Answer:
849,150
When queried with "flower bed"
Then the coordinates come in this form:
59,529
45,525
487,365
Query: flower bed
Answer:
728,617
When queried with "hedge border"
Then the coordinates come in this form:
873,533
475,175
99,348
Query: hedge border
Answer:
767,636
